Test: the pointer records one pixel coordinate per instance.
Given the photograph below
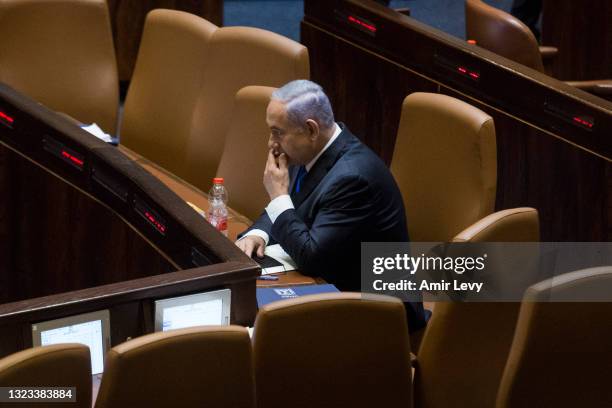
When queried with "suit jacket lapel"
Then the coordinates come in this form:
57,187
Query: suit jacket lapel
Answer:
320,168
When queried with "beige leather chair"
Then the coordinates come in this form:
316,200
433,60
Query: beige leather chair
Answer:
165,86
464,349
61,54
506,35
246,151
206,366
239,56
502,33
333,350
61,365
561,355
445,163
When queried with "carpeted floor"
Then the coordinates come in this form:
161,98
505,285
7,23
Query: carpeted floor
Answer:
283,16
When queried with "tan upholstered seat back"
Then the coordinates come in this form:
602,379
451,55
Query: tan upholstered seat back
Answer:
167,81
206,366
445,163
513,225
239,56
333,350
465,345
560,355
61,365
61,53
245,152
502,33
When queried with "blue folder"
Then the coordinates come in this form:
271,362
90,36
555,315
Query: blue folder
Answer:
269,295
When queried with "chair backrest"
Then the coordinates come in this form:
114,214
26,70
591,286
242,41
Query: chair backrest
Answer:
560,355
61,365
502,33
165,86
512,225
206,366
61,53
445,163
245,152
239,56
465,346
333,350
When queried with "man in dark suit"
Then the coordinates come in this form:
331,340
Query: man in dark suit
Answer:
328,192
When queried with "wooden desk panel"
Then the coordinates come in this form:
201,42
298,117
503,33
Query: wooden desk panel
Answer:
583,33
237,223
364,88
536,170
57,239
546,159
84,228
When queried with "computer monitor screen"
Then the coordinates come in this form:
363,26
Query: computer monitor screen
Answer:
208,308
90,329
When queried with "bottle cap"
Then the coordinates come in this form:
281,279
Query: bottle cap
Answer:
218,180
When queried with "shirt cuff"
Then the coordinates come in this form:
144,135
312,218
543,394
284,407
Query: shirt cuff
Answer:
279,205
258,233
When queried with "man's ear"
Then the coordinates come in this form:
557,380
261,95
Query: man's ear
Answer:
313,129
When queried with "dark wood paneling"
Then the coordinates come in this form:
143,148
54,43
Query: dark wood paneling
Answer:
7,225
546,159
73,238
536,169
364,89
129,303
583,33
62,239
128,17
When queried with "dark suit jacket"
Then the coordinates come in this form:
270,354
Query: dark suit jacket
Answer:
347,197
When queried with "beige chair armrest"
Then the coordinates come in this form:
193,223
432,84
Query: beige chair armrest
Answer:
602,87
511,225
548,52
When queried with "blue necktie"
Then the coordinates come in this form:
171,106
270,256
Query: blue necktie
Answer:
298,179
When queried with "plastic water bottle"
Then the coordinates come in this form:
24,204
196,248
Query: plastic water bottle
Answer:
217,208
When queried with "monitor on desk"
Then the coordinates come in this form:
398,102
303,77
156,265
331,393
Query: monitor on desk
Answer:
208,308
90,329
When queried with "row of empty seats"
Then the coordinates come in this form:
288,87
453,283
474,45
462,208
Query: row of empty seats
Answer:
349,349
178,107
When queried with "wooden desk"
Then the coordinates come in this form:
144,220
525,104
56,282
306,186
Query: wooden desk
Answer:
88,229
237,223
582,32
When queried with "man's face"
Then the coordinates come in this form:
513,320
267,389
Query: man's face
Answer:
297,144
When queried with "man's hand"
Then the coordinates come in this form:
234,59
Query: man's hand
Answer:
276,175
252,243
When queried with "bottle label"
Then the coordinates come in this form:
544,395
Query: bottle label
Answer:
222,226
220,223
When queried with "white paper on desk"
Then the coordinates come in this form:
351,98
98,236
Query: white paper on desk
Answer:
97,132
278,253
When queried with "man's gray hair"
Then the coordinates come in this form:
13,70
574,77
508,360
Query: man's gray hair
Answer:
304,100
